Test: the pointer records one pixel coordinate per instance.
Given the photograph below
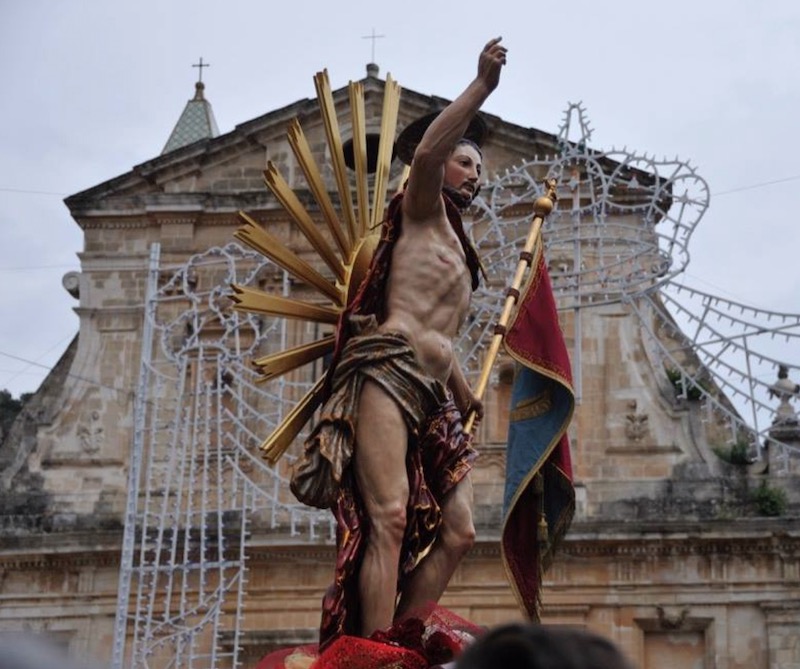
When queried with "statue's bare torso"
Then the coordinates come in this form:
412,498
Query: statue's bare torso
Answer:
428,292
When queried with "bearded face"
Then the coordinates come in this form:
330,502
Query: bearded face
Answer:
458,198
462,174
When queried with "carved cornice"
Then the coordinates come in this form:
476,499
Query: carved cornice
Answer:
81,460
103,558
212,214
291,554
175,220
38,550
116,224
783,613
758,536
633,546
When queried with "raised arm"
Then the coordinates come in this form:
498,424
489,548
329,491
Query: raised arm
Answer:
427,169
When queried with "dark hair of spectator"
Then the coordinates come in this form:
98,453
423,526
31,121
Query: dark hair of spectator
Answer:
521,646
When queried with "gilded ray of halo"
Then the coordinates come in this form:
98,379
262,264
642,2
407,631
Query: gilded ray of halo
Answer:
356,247
302,151
277,364
391,105
257,238
331,124
276,444
356,91
292,205
252,299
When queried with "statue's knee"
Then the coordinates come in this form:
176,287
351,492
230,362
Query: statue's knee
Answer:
460,538
467,537
389,523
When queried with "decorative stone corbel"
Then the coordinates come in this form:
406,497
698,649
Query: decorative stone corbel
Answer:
636,424
671,618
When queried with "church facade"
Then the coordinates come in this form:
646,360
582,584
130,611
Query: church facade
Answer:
129,466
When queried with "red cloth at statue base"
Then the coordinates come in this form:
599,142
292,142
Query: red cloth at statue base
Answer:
425,639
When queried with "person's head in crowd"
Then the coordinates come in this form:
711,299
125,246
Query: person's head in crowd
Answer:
530,646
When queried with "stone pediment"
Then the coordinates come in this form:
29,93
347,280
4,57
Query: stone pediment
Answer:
218,173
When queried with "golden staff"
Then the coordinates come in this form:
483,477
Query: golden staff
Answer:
541,208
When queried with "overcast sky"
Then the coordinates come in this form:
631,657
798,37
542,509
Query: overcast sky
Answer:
91,88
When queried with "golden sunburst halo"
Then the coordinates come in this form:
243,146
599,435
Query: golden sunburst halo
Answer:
353,230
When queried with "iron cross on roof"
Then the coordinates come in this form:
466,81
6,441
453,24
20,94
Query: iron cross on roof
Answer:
201,65
373,37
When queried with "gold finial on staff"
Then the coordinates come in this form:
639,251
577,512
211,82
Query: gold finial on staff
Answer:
541,208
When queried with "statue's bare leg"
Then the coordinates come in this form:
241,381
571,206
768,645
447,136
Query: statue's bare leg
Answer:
380,467
456,536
